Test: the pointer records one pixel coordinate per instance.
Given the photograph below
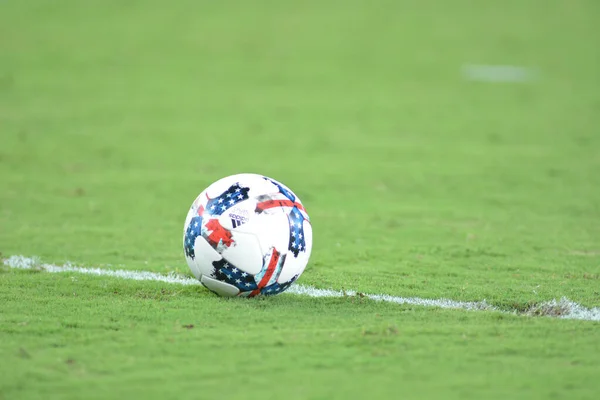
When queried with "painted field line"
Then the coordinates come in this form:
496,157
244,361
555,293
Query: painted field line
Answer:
563,308
498,73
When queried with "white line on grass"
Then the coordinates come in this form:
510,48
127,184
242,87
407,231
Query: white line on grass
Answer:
498,73
21,262
563,308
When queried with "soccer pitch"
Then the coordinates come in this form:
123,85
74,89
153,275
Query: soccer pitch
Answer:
446,151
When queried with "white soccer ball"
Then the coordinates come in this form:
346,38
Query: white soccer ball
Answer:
247,235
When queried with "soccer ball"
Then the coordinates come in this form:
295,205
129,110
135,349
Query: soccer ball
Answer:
247,235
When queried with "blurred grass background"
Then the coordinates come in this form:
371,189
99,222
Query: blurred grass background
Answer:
115,114
419,180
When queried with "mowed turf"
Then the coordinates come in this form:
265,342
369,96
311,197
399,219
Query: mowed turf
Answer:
114,115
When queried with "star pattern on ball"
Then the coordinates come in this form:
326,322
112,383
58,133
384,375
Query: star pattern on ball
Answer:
227,199
194,229
297,242
254,285
283,190
226,272
277,288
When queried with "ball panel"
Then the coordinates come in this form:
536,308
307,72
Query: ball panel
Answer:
270,230
246,252
218,187
297,239
188,245
254,182
295,265
263,283
239,214
221,288
283,189
205,256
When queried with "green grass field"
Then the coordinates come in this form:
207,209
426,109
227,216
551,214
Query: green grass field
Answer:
114,115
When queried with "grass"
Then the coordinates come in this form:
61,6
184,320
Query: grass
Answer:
114,115
102,338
